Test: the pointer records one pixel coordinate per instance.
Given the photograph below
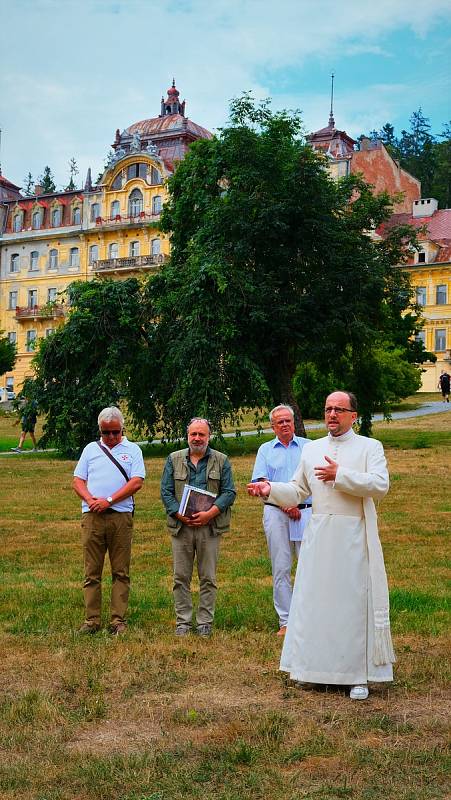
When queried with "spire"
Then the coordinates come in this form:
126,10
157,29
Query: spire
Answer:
172,104
88,182
331,115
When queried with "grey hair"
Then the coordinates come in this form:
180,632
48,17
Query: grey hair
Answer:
108,414
199,419
282,405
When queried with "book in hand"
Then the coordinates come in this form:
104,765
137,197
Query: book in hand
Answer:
194,500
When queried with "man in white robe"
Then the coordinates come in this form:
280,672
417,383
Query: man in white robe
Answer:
338,629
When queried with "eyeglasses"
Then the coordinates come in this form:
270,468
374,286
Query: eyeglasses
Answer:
111,433
337,410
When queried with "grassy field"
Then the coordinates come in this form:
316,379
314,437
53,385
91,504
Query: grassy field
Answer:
151,717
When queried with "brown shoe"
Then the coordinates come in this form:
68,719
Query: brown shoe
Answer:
282,631
86,628
118,629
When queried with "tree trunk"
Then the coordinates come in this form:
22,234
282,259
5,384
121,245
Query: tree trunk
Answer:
281,386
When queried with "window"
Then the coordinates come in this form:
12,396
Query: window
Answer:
155,247
76,216
74,257
10,384
12,337
48,332
135,203
113,250
36,220
134,248
156,204
56,217
51,295
440,295
93,253
32,298
17,223
421,337
34,258
14,263
155,176
117,183
421,295
95,211
440,338
136,171
12,300
422,257
115,209
53,259
31,341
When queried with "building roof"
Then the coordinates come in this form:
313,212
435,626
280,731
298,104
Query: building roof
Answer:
437,230
172,123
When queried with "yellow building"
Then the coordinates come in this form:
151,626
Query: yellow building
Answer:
111,230
430,271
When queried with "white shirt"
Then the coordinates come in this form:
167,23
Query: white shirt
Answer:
103,478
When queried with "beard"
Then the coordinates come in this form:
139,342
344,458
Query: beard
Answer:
198,449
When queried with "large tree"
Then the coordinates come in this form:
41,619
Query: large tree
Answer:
97,359
272,263
7,354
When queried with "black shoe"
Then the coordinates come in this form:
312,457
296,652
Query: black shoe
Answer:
86,628
117,629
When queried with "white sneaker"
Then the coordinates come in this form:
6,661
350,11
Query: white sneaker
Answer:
359,692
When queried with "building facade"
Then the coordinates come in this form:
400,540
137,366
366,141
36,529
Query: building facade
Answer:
107,230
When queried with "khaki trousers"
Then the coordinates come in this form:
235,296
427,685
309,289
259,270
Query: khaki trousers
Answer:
108,532
193,543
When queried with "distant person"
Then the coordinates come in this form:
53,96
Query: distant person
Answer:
338,629
108,474
198,535
444,385
28,418
277,460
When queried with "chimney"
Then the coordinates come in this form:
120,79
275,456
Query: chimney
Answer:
38,189
424,207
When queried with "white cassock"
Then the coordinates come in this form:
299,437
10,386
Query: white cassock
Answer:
338,629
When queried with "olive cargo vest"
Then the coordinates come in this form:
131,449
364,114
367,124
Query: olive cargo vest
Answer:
221,523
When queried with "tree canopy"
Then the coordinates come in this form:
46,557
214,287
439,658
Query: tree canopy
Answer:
47,181
7,354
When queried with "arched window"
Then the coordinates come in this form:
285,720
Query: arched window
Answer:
34,258
113,250
134,248
135,203
155,176
117,183
17,223
155,247
36,220
56,217
14,263
76,216
137,171
93,253
95,211
156,204
115,209
53,259
74,257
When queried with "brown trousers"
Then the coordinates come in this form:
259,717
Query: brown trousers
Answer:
189,544
101,533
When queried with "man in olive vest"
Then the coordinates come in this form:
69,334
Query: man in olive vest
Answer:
197,535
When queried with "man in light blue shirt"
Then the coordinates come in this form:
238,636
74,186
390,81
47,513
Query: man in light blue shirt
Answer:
277,460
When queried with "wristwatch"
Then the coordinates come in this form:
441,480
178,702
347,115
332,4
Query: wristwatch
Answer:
110,500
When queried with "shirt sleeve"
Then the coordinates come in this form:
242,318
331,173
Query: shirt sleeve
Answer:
138,469
227,491
260,467
374,482
81,469
167,489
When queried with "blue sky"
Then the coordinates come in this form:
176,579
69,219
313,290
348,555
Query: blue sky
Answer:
72,72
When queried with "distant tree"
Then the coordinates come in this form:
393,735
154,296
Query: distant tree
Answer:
73,172
271,266
47,181
98,358
7,354
28,185
441,185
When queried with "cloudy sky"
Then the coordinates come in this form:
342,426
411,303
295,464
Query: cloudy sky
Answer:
71,72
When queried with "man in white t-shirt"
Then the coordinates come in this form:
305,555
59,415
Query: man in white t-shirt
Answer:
108,474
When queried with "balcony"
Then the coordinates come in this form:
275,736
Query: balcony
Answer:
128,264
119,221
49,311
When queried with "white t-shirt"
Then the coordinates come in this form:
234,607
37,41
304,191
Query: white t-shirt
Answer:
103,477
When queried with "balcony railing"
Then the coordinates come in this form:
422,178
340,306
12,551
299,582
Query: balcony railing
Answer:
48,311
118,220
131,263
